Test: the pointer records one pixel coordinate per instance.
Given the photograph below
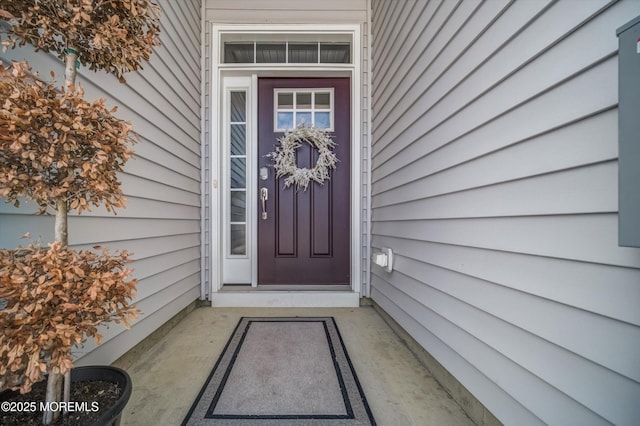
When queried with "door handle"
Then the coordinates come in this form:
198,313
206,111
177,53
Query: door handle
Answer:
264,195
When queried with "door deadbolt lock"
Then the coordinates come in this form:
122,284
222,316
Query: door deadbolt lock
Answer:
264,173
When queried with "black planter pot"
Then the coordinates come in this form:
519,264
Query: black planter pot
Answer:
110,417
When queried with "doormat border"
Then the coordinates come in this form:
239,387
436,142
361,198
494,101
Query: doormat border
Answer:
357,408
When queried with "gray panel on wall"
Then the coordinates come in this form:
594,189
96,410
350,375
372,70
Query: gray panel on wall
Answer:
629,133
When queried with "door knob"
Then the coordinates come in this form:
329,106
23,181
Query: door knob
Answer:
264,195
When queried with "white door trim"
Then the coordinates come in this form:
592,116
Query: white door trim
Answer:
242,297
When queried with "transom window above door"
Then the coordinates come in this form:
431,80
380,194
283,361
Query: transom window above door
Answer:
308,48
311,107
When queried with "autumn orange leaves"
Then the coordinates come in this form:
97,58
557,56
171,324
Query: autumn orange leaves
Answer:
114,36
57,145
55,298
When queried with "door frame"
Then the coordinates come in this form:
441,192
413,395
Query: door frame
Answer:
221,76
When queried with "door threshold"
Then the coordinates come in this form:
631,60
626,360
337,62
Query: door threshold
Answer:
286,287
256,297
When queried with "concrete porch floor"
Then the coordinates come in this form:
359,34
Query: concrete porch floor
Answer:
399,389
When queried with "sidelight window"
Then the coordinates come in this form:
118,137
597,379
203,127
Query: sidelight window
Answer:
237,167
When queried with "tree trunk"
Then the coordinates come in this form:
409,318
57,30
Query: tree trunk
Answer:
53,395
67,391
62,209
55,381
70,79
61,233
70,66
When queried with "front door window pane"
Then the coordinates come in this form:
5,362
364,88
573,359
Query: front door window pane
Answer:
285,100
303,100
304,118
285,120
322,120
323,100
311,107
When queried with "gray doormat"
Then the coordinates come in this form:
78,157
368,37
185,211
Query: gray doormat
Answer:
282,371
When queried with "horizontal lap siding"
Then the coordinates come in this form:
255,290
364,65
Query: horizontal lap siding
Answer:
494,179
286,11
160,224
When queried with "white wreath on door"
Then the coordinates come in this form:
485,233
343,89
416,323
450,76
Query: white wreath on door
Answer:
284,156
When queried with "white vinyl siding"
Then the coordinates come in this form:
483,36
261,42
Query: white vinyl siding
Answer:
161,223
286,11
494,180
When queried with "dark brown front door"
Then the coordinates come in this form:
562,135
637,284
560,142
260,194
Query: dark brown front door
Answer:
305,237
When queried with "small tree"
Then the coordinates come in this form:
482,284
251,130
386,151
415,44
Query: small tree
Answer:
109,35
64,153
56,298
